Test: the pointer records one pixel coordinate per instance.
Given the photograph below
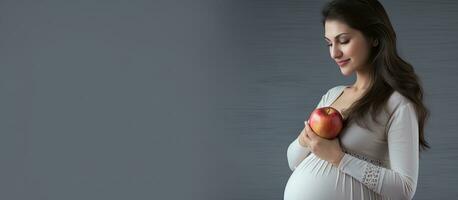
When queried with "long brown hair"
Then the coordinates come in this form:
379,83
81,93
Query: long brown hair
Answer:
390,72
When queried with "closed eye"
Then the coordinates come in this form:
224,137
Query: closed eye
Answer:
345,42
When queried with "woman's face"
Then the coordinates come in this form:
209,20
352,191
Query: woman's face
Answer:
347,44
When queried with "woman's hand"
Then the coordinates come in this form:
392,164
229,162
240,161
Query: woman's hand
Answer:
325,149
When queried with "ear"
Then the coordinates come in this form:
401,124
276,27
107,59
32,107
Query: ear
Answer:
375,42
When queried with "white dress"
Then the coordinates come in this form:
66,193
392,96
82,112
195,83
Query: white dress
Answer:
378,164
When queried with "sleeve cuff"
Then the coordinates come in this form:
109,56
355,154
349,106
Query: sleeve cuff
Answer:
352,166
344,161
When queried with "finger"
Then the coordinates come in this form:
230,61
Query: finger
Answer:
306,135
305,139
301,141
312,135
307,126
309,133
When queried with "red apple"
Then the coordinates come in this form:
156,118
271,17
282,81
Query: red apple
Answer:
326,122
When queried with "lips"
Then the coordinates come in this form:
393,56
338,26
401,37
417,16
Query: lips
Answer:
343,62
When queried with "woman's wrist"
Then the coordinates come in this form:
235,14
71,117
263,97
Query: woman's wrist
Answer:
339,157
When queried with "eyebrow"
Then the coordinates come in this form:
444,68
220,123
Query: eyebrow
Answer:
336,36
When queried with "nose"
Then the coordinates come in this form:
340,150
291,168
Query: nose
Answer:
335,52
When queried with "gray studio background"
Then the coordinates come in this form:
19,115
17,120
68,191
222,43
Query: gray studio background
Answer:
189,99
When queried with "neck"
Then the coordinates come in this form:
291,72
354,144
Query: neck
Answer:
363,80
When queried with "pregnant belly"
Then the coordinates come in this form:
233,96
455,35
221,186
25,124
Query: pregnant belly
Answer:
315,178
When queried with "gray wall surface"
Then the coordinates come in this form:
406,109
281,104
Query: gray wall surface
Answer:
190,99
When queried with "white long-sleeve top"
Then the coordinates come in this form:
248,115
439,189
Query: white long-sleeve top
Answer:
377,164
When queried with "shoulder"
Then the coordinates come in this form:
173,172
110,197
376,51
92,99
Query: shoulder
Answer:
402,110
330,92
336,89
396,101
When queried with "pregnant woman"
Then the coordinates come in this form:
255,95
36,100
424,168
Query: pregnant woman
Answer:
376,155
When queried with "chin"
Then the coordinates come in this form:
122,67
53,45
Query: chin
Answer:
346,72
